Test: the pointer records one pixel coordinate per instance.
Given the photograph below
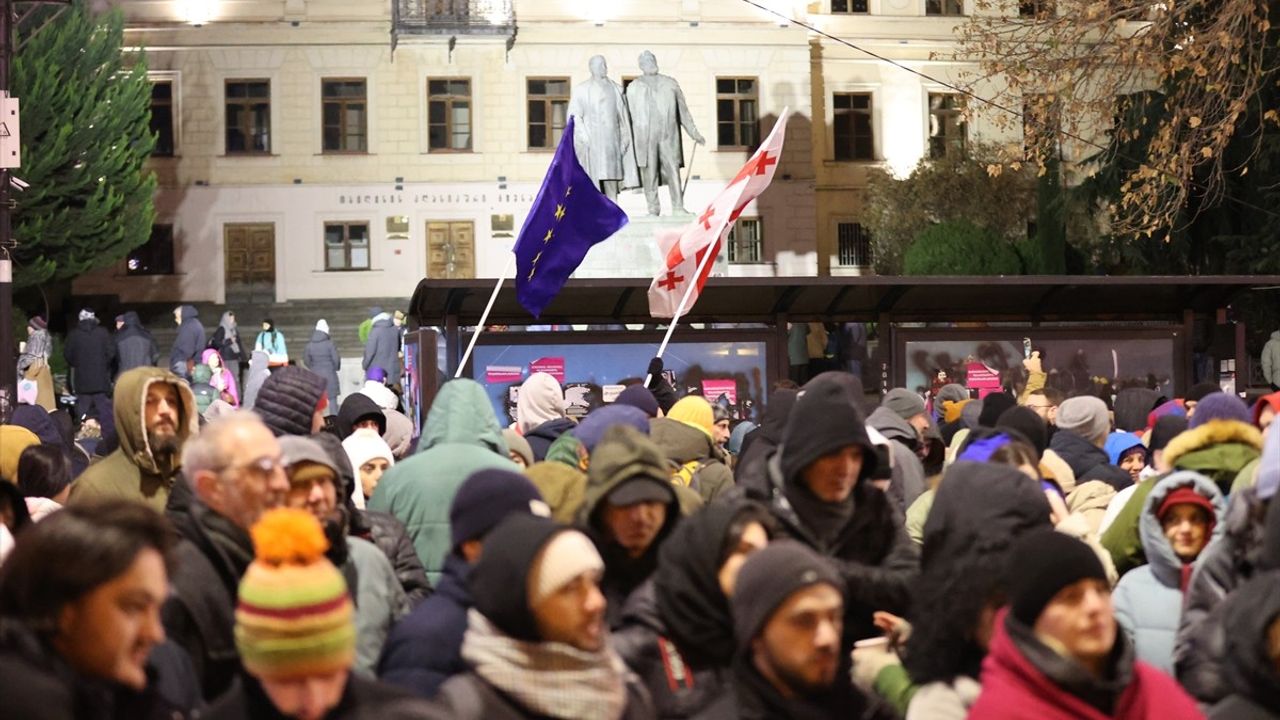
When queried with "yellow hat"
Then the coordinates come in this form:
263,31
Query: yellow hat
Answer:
13,440
695,412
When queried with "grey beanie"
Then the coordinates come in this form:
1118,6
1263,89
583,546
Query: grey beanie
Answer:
955,392
768,578
1086,416
904,403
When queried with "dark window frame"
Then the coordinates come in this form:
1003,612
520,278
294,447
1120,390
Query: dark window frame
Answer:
247,104
342,102
753,248
850,7
346,226
854,249
155,256
158,150
739,125
448,99
549,101
845,143
941,145
944,8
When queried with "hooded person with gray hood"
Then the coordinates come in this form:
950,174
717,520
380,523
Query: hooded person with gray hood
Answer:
189,343
321,357
135,347
383,348
821,496
900,418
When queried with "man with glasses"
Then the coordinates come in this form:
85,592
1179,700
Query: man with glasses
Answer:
236,473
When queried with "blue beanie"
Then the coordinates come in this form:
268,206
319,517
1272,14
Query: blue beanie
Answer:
591,429
639,396
1220,406
488,496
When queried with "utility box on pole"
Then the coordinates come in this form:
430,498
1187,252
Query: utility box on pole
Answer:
10,135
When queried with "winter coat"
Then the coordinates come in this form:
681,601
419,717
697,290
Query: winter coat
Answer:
425,648
380,602
468,697
908,481
253,379
90,351
1088,461
563,487
541,437
1219,449
1023,679
944,700
228,343
321,358
389,535
751,471
751,697
224,380
461,436
383,348
1148,599
190,340
135,347
682,444
1271,359
1223,566
362,699
1252,680
274,345
132,472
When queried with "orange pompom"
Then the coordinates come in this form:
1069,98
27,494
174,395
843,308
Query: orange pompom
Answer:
288,536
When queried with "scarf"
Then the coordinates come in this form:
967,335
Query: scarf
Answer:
229,333
825,520
550,679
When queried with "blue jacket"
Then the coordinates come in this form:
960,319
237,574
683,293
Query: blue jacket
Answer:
425,648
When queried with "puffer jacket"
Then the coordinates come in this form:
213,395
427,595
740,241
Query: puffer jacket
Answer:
682,444
1271,359
388,533
908,481
1219,449
288,399
1148,599
1251,675
380,602
132,471
461,436
135,347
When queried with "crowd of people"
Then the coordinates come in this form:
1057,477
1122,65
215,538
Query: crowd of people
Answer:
1018,555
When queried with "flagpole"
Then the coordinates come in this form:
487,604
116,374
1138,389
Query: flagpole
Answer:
684,300
506,270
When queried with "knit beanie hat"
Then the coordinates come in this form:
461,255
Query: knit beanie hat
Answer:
591,430
1025,421
499,581
376,374
639,396
364,445
823,420
294,617
1166,428
1220,406
952,409
970,413
568,555
993,406
952,392
1272,401
323,326
1171,407
1187,495
1086,416
38,322
87,314
904,403
541,399
695,412
13,440
488,496
518,445
1198,392
1044,562
288,399
770,576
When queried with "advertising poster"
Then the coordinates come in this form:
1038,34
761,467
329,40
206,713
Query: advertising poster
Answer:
594,374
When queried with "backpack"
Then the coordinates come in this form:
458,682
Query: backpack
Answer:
687,474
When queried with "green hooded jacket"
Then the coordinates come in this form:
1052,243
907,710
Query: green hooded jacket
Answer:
133,472
461,436
684,443
1219,450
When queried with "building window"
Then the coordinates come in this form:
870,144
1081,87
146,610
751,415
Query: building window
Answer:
248,117
854,139
162,118
449,115
947,128
155,257
737,113
848,6
1036,8
853,246
548,111
943,7
346,246
346,116
746,241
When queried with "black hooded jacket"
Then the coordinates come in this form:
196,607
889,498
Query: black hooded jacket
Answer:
90,351
750,472
135,347
1252,678
356,406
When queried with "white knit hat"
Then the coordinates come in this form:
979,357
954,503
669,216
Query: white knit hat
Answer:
364,445
323,326
566,556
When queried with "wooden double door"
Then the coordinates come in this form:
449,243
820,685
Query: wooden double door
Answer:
451,250
249,260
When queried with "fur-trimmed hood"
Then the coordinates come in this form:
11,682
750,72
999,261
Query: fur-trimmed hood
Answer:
1214,432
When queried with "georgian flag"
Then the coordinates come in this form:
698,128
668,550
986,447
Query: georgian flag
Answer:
684,248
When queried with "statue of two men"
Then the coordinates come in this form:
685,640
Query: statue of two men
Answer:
634,141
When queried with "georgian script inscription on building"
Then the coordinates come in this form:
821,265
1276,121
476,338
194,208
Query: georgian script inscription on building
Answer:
476,199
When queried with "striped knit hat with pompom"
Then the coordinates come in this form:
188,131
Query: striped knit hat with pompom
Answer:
294,617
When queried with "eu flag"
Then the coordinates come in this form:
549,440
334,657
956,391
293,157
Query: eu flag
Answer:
569,215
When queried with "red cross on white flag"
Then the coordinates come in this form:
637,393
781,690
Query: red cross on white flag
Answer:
685,248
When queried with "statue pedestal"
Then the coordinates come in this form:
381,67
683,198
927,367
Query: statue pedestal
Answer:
632,252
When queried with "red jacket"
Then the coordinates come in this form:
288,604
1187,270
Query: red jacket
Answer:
1014,689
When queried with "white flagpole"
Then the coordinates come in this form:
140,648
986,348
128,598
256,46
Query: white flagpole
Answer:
485,316
688,292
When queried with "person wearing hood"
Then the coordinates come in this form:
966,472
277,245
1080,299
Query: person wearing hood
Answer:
226,340
629,511
155,415
383,347
1133,406
272,342
203,389
425,648
254,377
980,511
676,631
787,607
370,458
1219,443
359,412
89,352
44,478
135,347
1126,451
542,650
292,402
33,361
321,358
314,487
751,471
1163,431
1252,617
685,437
1179,521
1083,426
540,413
518,448
1271,361
1265,412
1056,653
902,419
821,496
461,436
223,379
190,341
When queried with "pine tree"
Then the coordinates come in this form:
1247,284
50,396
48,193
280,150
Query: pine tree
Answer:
85,137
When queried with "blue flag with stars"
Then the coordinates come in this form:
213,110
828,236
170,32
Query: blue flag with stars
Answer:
569,215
